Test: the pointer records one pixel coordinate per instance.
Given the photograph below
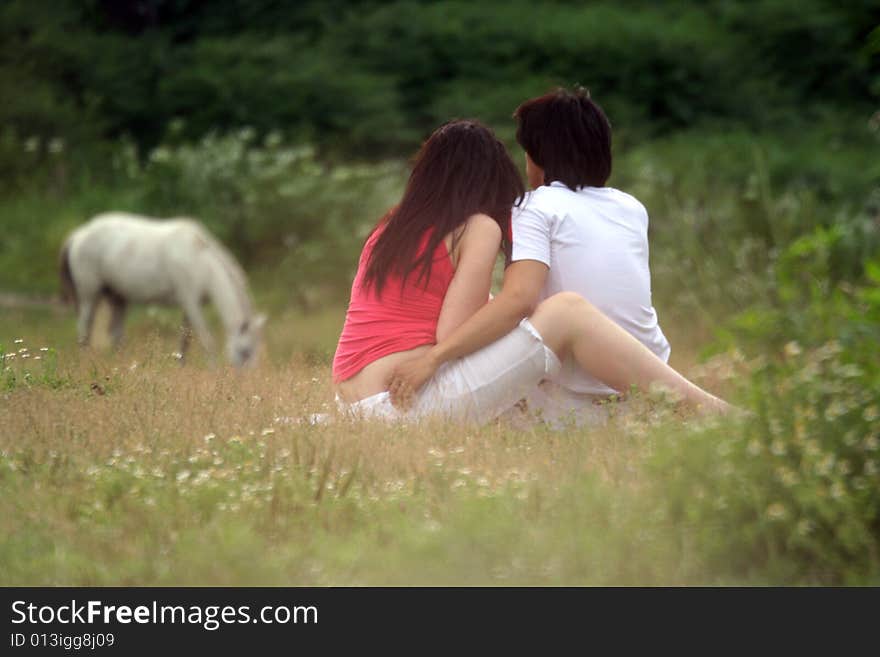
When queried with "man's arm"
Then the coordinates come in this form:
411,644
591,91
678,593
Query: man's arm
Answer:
522,285
519,294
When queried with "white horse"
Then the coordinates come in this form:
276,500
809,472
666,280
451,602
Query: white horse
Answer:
126,258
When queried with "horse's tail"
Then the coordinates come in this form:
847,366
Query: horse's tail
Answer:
68,289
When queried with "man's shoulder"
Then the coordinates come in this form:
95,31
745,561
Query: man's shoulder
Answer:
559,200
627,201
546,200
550,194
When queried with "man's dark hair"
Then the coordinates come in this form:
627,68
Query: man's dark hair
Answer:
568,136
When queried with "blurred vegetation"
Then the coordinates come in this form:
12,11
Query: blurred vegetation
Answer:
750,131
380,75
793,493
742,126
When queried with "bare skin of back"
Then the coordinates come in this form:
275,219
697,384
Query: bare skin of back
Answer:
374,378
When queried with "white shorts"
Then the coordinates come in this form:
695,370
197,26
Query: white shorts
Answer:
476,388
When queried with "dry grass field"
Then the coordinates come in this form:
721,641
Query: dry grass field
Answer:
128,469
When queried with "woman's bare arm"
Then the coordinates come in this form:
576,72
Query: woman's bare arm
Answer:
477,250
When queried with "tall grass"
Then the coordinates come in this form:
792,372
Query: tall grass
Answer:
134,470
124,468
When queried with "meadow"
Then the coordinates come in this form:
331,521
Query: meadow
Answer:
748,130
126,468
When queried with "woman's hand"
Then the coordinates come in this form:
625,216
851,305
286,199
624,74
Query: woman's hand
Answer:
408,377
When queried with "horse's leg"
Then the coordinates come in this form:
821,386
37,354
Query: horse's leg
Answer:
117,318
87,305
197,321
185,338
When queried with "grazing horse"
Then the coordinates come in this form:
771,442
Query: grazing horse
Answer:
125,258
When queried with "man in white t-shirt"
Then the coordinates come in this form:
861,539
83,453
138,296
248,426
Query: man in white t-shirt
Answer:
594,242
575,234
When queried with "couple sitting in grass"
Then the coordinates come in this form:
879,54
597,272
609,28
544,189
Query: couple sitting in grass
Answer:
573,321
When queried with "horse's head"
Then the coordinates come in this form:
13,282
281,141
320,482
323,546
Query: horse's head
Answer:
242,345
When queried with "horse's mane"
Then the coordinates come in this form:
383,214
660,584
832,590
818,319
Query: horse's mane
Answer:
230,264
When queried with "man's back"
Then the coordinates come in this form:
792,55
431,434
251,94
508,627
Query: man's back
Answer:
595,242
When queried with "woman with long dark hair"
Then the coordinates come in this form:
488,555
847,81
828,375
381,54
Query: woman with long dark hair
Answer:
427,267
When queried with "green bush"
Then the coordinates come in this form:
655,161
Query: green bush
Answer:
725,205
275,205
294,220
791,493
375,77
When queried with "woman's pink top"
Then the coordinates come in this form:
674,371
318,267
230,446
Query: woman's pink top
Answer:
404,317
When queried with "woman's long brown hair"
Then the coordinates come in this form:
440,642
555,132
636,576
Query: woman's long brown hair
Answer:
461,170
